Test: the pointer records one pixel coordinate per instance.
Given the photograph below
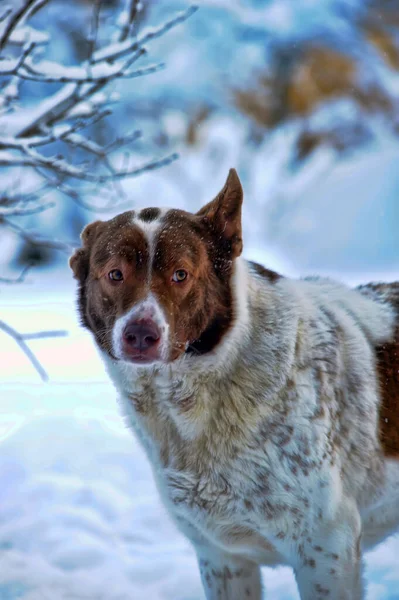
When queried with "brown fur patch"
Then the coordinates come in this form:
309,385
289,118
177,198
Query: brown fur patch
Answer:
271,276
149,214
198,310
388,371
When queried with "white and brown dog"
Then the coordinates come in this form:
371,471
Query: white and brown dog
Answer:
269,408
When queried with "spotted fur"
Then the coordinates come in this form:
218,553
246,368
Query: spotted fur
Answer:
264,414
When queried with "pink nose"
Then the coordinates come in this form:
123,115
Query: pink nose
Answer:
141,335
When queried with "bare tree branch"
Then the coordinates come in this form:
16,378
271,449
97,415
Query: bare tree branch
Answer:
100,72
121,48
38,139
19,279
24,212
30,7
5,14
58,105
10,67
31,158
132,11
62,132
40,335
21,341
22,198
36,240
92,39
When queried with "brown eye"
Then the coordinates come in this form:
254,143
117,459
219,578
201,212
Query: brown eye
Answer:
115,275
179,275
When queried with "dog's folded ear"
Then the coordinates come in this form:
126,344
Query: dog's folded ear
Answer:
79,261
223,214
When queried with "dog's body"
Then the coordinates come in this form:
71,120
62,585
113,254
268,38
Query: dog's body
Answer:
272,426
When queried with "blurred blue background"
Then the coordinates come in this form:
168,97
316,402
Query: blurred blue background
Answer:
301,97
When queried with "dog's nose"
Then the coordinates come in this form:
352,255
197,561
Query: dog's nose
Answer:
142,334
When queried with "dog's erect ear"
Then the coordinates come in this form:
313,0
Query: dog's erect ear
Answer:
79,261
224,213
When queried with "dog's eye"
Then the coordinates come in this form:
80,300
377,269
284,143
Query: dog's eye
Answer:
179,275
115,275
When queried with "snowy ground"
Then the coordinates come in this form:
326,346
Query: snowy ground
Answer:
79,515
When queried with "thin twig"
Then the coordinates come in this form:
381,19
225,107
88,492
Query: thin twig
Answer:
5,14
123,141
96,74
23,198
78,94
93,34
31,158
121,48
20,278
19,17
15,67
66,131
21,341
24,212
128,26
57,182
41,335
37,241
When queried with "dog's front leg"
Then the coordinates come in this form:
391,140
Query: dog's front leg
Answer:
228,577
329,562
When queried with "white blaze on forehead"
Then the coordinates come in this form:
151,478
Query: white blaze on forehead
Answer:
150,230
150,309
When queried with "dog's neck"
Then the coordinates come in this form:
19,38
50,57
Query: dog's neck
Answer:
237,379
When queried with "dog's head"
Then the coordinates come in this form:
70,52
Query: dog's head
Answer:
156,284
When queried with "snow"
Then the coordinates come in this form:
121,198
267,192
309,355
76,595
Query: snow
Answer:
80,518
27,34
120,48
16,123
51,71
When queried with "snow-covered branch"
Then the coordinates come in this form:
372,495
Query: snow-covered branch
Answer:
48,136
52,72
50,144
103,68
31,158
124,47
18,18
24,129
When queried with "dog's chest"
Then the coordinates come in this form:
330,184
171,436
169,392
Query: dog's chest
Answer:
221,508
260,494
246,501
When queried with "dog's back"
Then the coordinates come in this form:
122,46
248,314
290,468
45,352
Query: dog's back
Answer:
388,370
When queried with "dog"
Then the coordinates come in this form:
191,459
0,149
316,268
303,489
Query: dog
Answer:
268,407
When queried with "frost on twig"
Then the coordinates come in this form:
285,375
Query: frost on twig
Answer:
50,143
22,339
45,138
